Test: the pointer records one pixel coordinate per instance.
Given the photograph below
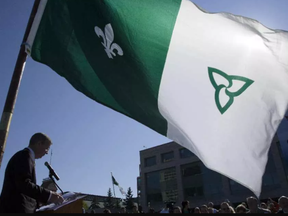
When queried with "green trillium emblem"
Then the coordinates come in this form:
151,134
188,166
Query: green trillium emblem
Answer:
227,87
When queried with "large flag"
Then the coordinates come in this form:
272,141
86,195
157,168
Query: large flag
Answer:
216,84
117,184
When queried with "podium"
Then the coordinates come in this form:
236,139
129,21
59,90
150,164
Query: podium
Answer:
73,203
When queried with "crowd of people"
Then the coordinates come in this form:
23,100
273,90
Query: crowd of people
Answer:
251,205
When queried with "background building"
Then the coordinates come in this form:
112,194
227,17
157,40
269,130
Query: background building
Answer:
171,173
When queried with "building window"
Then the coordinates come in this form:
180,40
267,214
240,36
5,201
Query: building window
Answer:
185,153
205,181
150,161
161,186
166,157
192,173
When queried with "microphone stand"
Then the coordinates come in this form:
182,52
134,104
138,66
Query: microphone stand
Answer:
51,177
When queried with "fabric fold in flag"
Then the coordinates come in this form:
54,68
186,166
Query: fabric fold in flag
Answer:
215,83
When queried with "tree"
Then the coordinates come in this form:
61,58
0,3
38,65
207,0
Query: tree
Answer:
129,199
109,199
94,204
117,204
85,205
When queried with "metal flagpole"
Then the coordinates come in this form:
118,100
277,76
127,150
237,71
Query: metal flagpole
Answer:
113,185
14,86
51,158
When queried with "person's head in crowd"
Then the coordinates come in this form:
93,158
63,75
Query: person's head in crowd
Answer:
106,211
252,204
204,209
241,209
123,210
210,210
225,208
244,204
283,203
211,205
197,210
177,209
185,206
135,209
263,205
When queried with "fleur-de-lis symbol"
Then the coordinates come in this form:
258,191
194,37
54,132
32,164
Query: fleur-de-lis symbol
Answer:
108,38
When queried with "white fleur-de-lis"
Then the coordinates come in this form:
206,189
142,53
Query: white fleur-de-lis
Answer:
108,38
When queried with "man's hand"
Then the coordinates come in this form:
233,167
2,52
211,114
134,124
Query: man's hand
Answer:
56,198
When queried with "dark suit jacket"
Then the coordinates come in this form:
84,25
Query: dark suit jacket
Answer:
20,194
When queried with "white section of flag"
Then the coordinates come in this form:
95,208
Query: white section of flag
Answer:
234,143
122,191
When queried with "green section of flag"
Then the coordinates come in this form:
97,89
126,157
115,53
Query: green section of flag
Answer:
114,181
112,51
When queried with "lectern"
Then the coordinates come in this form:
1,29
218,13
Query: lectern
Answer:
72,204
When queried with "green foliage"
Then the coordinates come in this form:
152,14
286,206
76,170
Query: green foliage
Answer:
117,204
129,199
109,199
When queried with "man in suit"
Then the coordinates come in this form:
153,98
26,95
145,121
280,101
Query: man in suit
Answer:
20,193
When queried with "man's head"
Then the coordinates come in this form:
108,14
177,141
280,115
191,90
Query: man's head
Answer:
210,210
135,209
123,210
197,210
241,209
263,205
185,204
40,144
210,205
225,208
252,203
204,209
177,209
283,202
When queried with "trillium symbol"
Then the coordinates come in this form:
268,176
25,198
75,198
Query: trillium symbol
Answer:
227,87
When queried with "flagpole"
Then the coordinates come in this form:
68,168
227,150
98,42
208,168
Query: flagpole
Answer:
14,85
113,185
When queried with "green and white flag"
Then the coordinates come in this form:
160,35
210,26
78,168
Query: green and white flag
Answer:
215,83
117,184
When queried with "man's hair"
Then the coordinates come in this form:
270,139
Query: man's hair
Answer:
282,197
241,207
39,137
185,203
106,211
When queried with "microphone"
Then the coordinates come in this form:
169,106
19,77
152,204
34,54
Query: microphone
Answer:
51,170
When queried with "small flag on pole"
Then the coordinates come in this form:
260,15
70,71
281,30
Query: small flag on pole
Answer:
117,184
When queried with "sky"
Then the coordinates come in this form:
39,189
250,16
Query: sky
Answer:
89,140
